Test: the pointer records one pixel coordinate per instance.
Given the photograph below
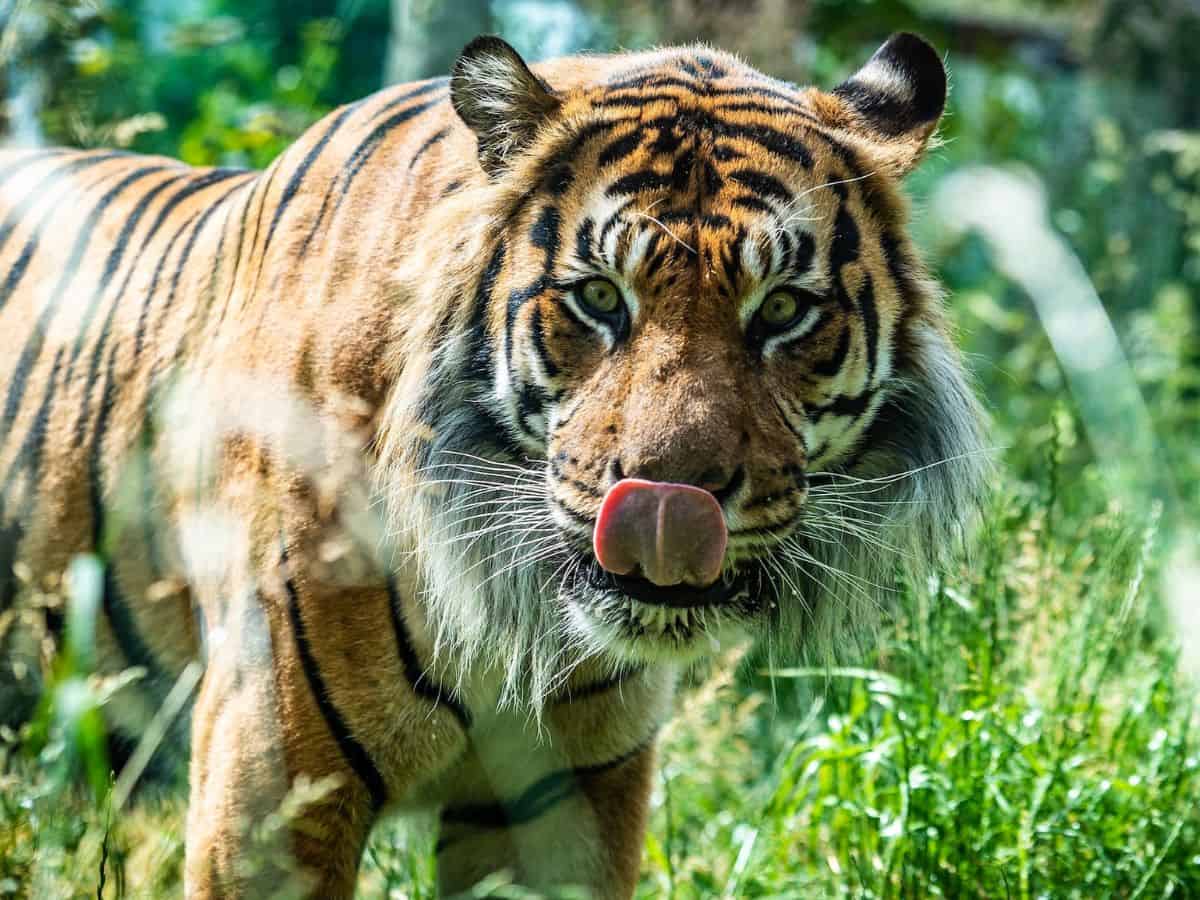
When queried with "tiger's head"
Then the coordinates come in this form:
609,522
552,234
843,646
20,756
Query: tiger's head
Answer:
688,376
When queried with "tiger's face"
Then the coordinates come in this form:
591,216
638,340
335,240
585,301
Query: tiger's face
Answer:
704,310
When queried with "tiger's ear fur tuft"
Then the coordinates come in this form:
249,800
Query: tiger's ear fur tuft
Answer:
500,99
895,100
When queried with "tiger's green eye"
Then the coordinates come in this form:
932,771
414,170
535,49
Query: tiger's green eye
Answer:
600,296
779,309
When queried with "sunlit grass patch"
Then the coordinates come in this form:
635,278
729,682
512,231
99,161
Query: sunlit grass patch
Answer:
1023,733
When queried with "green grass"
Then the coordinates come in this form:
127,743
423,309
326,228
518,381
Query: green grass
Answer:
1024,731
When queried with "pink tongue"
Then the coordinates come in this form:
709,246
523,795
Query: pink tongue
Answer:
675,532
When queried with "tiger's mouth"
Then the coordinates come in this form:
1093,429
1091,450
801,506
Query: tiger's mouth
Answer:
676,596
645,621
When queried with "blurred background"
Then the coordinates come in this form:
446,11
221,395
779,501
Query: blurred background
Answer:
1026,726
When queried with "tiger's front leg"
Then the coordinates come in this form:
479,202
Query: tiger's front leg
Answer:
582,829
274,808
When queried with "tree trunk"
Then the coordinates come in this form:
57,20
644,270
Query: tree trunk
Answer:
428,35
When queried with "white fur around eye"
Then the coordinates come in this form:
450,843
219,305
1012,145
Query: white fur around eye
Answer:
628,297
806,324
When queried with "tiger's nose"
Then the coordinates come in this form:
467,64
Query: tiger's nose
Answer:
719,480
673,533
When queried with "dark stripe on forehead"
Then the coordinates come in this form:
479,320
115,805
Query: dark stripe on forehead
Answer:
544,234
619,149
638,182
800,255
731,258
775,141
843,249
612,222
583,240
762,184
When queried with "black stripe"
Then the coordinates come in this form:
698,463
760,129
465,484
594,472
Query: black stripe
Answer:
800,256
843,249
777,142
731,258
583,240
37,337
870,317
833,364
637,182
649,79
124,624
184,256
17,271
620,99
536,800
423,686
28,459
612,222
516,301
479,356
544,235
432,85
752,203
619,149
353,751
425,146
762,184
143,312
112,263
143,316
38,191
293,185
241,239
844,406
367,146
539,343
595,688
208,179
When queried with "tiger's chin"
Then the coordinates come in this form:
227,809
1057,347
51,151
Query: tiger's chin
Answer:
637,621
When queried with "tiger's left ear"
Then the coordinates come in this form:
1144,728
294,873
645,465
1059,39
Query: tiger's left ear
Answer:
500,99
894,101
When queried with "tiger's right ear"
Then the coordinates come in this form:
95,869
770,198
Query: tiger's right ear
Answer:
500,99
894,101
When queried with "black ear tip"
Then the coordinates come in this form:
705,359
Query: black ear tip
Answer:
486,45
916,57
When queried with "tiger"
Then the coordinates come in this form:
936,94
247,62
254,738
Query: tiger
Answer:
445,444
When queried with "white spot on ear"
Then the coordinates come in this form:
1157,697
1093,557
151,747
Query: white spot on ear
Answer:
884,78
